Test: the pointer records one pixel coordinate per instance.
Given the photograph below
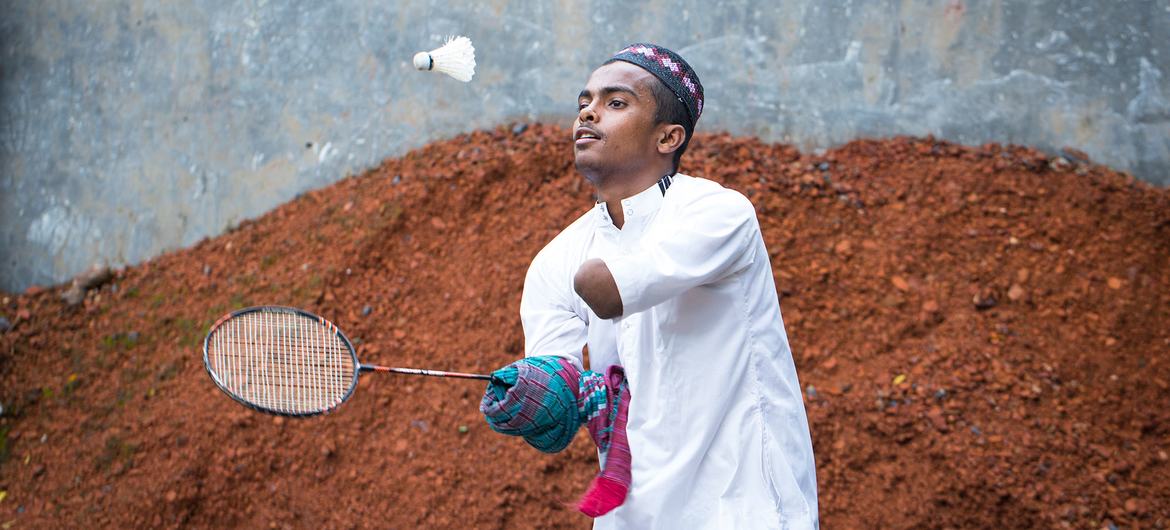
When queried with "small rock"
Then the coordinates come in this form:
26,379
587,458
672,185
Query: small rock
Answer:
95,277
935,415
90,279
900,283
420,425
519,128
1133,506
367,310
930,306
207,270
396,179
811,391
844,247
984,300
1074,155
279,420
132,336
1114,283
823,166
172,495
463,429
1015,293
5,325
891,300
73,296
38,471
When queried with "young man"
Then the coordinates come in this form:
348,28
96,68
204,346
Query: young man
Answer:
668,277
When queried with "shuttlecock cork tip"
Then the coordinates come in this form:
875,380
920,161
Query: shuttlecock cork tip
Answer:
423,61
455,58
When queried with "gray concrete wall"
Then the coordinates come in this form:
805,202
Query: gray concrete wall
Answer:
130,127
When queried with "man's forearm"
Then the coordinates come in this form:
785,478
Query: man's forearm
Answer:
596,286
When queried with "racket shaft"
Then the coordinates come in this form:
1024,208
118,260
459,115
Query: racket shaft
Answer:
416,371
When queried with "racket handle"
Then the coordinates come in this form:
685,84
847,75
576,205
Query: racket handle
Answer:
417,371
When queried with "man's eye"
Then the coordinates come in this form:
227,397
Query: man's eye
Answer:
617,104
582,105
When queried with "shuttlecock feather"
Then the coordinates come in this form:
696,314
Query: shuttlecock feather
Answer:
455,58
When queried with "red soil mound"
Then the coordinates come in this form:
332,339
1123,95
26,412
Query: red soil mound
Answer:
982,333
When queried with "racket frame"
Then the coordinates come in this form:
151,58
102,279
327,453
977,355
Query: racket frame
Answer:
357,366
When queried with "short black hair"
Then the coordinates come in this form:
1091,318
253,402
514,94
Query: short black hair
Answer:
670,109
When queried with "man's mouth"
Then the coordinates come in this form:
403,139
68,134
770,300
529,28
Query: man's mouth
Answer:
585,135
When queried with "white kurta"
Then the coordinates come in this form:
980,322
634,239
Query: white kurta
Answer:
718,433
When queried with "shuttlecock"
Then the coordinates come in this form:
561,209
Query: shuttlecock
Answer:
455,58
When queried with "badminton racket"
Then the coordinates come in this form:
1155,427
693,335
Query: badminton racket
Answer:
288,361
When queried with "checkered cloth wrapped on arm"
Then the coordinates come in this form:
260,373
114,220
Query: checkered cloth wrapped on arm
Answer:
545,399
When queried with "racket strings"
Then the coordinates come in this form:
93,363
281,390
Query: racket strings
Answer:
281,361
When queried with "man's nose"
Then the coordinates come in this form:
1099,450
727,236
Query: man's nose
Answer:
587,114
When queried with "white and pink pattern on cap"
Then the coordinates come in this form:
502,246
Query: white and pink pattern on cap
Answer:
673,67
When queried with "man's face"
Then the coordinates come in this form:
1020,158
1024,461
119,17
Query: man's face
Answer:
614,131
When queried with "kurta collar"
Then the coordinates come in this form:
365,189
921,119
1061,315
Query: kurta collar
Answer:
640,206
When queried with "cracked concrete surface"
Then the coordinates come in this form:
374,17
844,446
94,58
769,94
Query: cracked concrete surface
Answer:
128,128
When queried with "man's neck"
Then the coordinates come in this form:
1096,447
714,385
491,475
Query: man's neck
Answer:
613,190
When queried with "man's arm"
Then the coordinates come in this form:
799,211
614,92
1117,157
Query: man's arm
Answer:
551,324
596,286
716,241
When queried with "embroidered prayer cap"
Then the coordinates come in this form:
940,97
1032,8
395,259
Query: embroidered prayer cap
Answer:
671,69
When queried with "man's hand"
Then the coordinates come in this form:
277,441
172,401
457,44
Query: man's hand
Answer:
594,284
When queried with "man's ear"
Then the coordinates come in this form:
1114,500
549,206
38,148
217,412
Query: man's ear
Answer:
670,137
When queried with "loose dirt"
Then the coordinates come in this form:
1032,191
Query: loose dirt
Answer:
982,334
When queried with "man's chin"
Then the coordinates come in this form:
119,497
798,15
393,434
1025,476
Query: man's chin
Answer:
587,166
583,159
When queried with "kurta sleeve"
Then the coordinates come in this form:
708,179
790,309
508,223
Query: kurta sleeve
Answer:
714,242
552,325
